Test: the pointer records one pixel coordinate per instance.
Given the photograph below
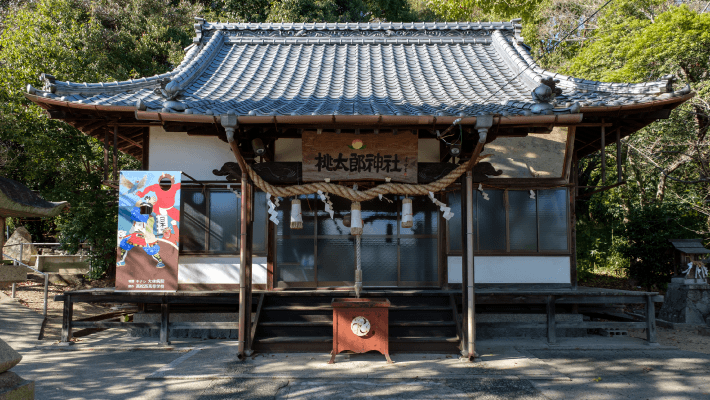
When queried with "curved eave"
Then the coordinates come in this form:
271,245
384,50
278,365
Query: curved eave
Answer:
389,120
642,114
10,208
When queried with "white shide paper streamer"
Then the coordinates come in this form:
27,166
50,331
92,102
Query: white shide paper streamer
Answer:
272,208
446,210
328,204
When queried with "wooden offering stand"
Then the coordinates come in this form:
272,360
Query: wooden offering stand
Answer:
360,325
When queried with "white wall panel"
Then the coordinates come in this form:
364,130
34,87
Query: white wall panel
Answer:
454,264
222,270
194,155
522,269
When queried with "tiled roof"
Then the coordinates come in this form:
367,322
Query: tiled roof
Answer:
690,246
16,200
453,69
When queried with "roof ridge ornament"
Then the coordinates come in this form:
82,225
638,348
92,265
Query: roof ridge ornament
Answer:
544,95
169,93
49,82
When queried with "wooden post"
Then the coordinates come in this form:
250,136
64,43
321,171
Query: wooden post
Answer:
67,316
115,153
651,321
270,255
573,222
242,269
247,267
618,155
470,279
2,235
106,147
164,323
603,152
46,293
145,165
466,192
551,326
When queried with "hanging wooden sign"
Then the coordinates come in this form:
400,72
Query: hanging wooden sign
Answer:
349,156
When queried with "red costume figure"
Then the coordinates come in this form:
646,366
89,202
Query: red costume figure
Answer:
166,198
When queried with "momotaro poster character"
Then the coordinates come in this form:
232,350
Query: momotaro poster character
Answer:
166,198
141,234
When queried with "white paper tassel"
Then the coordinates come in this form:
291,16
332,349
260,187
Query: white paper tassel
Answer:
407,214
273,214
446,210
484,194
355,219
328,204
296,216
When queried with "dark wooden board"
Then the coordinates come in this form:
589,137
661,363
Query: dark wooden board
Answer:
339,157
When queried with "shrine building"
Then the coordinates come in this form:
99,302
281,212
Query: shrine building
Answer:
432,164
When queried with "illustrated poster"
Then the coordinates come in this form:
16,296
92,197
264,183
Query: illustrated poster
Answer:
148,231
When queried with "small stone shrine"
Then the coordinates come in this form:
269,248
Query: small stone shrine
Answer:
688,297
11,385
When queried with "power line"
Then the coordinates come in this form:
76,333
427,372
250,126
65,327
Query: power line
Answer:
554,47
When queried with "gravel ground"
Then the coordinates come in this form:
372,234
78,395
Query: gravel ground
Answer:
686,339
31,295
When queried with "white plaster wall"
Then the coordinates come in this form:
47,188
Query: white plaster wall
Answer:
454,265
521,269
197,156
218,270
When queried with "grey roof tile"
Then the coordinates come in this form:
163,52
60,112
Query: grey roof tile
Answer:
353,68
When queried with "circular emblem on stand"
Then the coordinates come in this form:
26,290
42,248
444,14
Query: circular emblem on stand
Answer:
360,326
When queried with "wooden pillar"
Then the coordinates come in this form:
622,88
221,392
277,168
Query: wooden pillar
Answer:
115,153
470,278
164,323
2,235
67,315
465,194
248,266
551,325
270,254
618,155
603,152
145,165
573,221
244,313
651,321
106,147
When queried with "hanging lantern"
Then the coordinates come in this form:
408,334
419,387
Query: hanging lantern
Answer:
355,219
407,215
296,216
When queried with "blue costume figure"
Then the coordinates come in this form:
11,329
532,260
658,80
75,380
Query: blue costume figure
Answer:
141,234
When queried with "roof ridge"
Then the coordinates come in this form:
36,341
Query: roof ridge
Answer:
202,24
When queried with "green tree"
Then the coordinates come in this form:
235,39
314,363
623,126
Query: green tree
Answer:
76,40
666,163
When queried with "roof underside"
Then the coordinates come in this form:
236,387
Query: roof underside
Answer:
387,69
